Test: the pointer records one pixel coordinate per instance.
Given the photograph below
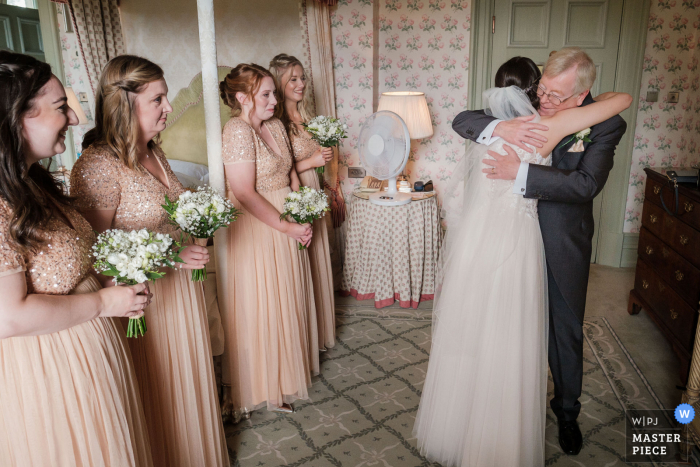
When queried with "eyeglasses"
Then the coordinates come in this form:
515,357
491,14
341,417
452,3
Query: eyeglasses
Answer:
553,98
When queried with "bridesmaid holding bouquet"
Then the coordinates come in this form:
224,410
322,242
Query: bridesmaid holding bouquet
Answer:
120,182
293,111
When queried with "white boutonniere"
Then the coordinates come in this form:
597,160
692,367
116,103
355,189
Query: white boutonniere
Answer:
580,138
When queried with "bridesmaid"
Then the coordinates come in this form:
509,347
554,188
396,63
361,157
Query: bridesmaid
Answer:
68,392
291,87
268,309
120,182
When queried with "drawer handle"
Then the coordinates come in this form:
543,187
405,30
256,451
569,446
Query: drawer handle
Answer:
657,189
674,313
684,240
679,276
688,207
645,284
649,250
653,218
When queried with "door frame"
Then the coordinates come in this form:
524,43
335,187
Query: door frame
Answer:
628,78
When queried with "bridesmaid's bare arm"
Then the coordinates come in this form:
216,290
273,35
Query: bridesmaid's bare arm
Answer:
294,182
317,159
23,314
241,178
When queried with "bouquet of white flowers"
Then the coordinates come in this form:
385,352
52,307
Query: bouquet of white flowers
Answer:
326,131
132,258
305,205
200,214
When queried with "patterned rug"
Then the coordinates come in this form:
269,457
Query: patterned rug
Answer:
365,400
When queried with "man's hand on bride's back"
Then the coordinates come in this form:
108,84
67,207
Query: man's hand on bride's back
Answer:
519,132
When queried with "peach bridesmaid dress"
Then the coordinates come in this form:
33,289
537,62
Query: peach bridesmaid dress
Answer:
173,361
319,250
268,313
68,398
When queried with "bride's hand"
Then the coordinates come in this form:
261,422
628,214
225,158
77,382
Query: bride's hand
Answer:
518,132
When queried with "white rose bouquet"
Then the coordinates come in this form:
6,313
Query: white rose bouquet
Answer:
326,131
200,214
305,205
132,258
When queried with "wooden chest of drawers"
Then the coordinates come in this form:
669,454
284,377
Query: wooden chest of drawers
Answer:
667,280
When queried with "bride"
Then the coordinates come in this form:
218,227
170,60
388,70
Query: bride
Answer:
484,397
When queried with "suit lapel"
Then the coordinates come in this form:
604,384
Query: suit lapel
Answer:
560,151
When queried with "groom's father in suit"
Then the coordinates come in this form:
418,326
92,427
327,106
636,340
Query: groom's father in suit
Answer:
565,192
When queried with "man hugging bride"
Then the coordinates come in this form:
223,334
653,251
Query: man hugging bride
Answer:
514,272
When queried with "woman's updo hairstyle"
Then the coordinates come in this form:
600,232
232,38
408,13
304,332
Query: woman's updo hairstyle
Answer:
523,73
280,67
116,124
245,78
28,191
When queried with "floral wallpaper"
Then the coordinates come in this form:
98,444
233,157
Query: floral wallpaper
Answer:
423,46
75,74
667,135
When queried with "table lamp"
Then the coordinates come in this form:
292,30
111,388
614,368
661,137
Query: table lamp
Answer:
412,107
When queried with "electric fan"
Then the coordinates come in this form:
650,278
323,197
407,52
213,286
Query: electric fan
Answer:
383,146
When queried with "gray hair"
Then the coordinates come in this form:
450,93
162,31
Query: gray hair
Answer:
572,57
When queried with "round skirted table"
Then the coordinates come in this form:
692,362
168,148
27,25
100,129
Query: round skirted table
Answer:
391,253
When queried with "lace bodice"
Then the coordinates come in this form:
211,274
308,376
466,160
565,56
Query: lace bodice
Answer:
59,264
101,181
504,188
243,145
303,145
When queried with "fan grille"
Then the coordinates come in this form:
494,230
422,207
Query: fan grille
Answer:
384,145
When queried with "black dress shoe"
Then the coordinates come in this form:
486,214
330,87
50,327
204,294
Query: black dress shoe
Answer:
570,438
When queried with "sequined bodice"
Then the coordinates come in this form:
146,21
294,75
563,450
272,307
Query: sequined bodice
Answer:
242,144
59,264
303,145
101,181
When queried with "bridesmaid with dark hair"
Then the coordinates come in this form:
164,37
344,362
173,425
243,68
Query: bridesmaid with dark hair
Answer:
268,308
68,393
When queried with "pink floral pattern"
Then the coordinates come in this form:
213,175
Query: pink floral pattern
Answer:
423,46
667,135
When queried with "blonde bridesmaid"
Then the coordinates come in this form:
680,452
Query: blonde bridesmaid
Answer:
271,345
68,393
308,154
120,182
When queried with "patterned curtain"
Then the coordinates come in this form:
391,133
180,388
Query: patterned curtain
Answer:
99,31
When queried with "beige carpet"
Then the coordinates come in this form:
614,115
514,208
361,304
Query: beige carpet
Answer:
364,402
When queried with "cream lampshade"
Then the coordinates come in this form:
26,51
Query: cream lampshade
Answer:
412,108
75,105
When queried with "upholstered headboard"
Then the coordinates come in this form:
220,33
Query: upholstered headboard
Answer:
184,137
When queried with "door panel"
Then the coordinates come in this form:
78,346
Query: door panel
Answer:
20,31
533,28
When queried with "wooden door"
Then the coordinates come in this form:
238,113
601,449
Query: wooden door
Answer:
534,28
20,31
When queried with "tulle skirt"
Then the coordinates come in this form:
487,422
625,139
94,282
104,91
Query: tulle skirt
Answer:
268,313
70,398
175,372
484,398
321,271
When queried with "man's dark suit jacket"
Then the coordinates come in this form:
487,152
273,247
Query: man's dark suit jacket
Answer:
565,192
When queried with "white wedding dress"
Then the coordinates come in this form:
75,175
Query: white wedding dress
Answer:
484,397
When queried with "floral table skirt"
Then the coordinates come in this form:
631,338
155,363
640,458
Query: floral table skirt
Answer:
392,252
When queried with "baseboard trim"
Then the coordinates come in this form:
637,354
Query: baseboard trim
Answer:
630,243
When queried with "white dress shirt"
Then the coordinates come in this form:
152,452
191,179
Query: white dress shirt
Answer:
486,137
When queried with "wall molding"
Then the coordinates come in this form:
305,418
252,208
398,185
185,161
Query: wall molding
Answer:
630,244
